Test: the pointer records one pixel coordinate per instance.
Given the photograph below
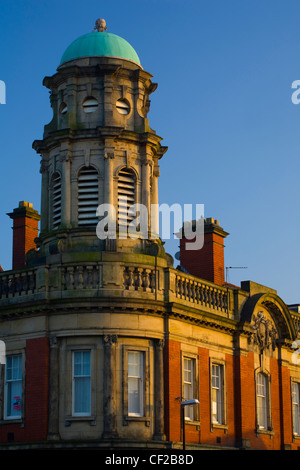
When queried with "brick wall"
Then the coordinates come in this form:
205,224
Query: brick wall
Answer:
287,408
240,403
207,262
36,396
25,230
37,383
172,383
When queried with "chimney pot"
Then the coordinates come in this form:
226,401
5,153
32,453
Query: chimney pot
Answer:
25,230
208,262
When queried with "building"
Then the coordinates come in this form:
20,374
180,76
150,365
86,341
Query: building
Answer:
103,337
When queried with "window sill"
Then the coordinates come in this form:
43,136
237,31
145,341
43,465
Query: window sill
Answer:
268,432
192,423
70,419
12,421
224,427
141,419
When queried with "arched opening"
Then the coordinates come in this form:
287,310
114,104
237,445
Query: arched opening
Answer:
88,196
126,196
56,200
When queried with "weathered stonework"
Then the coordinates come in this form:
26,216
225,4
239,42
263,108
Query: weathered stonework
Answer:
114,297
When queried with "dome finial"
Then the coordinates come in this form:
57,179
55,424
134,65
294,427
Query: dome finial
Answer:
100,25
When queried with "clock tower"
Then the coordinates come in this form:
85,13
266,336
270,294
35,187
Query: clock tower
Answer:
99,155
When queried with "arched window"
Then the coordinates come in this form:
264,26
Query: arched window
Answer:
88,199
262,401
56,200
126,196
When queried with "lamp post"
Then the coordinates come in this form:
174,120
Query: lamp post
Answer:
184,403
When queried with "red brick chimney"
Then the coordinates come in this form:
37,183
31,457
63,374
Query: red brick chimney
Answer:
25,230
208,262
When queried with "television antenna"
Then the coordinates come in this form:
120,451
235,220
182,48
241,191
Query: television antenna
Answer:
233,267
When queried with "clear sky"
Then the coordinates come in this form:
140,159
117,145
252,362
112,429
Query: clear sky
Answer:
223,106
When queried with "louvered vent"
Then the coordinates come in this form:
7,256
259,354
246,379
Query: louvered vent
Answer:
88,200
56,200
126,196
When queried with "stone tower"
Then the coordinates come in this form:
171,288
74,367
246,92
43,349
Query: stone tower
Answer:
103,343
99,149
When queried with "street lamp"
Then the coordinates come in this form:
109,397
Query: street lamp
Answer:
184,403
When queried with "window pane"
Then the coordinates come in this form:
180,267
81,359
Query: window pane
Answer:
262,416
135,383
217,393
82,391
295,400
134,396
188,387
134,364
82,382
13,386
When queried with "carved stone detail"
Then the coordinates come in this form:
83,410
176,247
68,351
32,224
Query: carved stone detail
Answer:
110,339
264,334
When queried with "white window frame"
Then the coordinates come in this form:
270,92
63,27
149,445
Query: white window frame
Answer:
136,378
295,389
80,376
218,396
8,383
263,400
145,350
217,393
190,385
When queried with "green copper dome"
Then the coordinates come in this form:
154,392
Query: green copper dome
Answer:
99,44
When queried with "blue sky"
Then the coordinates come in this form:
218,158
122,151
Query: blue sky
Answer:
223,106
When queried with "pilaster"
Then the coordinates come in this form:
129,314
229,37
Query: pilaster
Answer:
109,388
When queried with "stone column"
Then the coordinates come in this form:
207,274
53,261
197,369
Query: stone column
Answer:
45,196
109,388
154,205
159,391
146,173
53,426
66,192
108,118
108,179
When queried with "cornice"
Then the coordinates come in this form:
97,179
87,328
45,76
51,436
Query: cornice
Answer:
78,306
56,138
190,315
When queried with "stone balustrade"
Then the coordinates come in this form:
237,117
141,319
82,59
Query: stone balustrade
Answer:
201,293
17,284
78,277
113,279
140,278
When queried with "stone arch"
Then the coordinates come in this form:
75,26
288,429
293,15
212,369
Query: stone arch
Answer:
87,195
127,167
83,166
278,311
55,198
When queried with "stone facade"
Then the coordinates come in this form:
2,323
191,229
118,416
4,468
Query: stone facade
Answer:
117,301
